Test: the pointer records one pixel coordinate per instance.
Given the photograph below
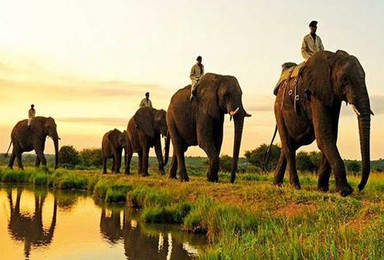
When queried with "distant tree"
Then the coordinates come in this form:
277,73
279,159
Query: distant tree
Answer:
258,156
225,163
91,157
304,163
68,156
353,166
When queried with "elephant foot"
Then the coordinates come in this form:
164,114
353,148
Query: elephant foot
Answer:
172,177
296,186
127,172
213,179
323,188
104,172
278,183
345,190
145,174
184,179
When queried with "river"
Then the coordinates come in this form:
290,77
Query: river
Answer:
42,224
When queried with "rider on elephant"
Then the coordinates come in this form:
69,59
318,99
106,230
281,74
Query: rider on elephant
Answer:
197,72
311,42
146,102
31,115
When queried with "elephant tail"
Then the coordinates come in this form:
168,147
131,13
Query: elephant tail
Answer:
267,154
9,147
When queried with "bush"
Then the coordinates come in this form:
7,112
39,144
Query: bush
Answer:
258,156
353,166
304,163
225,163
68,156
91,157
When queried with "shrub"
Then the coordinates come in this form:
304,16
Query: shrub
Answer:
91,157
258,156
68,156
353,166
304,163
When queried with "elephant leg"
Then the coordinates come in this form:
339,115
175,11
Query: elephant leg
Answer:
181,166
173,169
20,164
118,162
113,164
326,125
324,173
337,165
145,161
159,156
37,164
105,160
289,151
280,170
128,163
214,161
12,160
140,155
41,157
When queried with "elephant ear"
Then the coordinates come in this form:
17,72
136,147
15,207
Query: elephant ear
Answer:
208,87
317,76
113,137
144,121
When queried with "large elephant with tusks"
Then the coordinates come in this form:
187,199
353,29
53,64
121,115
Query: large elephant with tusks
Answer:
313,113
200,122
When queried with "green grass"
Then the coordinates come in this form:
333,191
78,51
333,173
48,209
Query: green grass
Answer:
251,219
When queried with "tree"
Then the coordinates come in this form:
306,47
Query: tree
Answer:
225,163
353,166
304,163
258,156
91,157
68,156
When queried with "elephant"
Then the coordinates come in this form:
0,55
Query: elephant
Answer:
143,131
325,81
112,145
200,122
29,227
25,139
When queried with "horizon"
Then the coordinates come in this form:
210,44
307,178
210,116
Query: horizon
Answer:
88,65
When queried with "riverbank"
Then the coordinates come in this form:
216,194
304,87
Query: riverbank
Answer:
250,219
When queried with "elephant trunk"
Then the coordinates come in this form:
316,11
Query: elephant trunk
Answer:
238,123
56,143
166,148
364,133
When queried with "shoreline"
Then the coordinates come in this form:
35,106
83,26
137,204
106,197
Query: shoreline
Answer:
245,219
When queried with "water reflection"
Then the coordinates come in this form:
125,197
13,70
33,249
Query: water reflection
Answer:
28,227
36,224
143,241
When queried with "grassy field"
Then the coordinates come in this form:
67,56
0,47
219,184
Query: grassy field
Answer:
250,219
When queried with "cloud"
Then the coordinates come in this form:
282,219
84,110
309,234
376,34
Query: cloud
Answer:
94,120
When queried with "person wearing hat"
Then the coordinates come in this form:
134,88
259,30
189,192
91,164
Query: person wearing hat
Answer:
311,42
146,102
197,72
31,115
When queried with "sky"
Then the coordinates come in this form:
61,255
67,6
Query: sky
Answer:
88,63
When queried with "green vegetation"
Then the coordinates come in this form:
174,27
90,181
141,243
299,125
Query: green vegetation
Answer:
250,219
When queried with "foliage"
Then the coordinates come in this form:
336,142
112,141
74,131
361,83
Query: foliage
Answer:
353,166
304,162
257,157
91,157
68,156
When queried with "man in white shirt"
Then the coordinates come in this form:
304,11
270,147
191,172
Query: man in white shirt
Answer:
311,42
146,102
197,72
31,115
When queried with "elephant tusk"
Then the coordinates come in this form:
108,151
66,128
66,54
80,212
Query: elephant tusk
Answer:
372,112
232,113
355,110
